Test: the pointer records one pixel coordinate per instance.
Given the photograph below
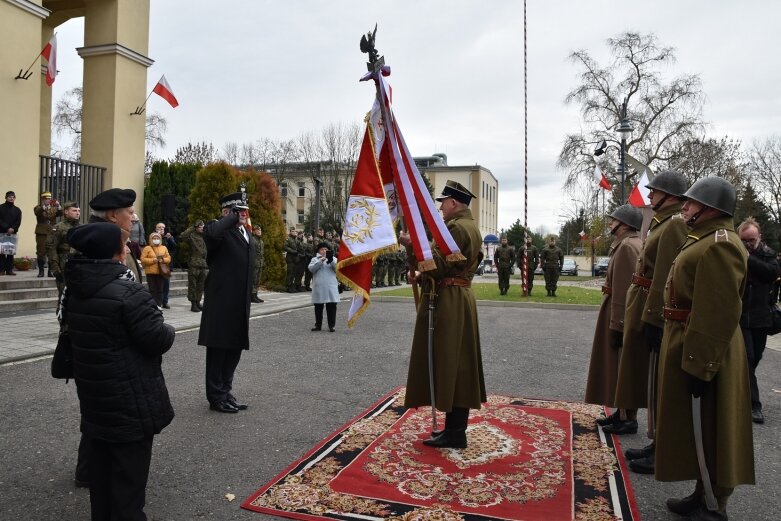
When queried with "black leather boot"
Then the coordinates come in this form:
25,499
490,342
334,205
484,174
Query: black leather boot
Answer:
40,266
194,308
254,299
454,435
632,454
689,504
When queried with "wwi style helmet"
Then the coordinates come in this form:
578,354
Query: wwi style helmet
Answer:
715,192
670,182
628,215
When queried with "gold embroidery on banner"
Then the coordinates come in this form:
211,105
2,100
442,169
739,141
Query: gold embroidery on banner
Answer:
363,222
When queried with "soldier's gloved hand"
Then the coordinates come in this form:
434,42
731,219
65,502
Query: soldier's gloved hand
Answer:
617,339
653,337
696,386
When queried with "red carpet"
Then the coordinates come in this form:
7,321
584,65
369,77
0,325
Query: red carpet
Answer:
527,460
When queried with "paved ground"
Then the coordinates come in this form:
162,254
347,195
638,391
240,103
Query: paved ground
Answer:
302,386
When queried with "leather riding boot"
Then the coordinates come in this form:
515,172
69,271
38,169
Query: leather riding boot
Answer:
40,266
689,504
448,439
648,450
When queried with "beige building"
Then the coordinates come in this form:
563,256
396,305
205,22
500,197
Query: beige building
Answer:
478,179
116,38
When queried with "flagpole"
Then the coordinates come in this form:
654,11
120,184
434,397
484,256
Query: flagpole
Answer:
525,267
141,108
26,74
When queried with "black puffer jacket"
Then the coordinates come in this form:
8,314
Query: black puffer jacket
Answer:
118,336
760,276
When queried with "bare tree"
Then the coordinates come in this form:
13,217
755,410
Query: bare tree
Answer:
203,153
764,167
230,153
701,157
663,114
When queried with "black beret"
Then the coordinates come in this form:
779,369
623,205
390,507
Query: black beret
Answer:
113,198
96,240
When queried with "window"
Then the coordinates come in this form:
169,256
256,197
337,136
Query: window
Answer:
284,217
301,217
283,189
301,189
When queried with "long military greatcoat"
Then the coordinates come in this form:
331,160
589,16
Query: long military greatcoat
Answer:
231,260
707,277
666,235
603,370
458,363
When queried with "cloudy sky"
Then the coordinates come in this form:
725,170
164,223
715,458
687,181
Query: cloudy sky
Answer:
249,69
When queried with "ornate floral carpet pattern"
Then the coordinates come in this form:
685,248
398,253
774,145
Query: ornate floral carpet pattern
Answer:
526,460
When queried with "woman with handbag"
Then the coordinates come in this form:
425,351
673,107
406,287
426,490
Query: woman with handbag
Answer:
157,266
325,288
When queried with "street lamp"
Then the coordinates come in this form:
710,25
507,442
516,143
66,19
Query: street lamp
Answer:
624,131
318,183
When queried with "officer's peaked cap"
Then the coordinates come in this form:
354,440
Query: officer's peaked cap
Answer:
237,199
457,191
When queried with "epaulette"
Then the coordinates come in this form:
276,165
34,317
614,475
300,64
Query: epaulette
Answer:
721,235
676,216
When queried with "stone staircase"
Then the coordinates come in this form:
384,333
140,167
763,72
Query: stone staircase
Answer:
26,292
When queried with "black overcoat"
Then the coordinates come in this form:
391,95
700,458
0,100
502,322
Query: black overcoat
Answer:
231,260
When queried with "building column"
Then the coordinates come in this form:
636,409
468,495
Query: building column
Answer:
116,41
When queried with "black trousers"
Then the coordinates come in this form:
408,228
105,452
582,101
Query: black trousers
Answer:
756,341
82,464
220,366
6,263
118,476
330,310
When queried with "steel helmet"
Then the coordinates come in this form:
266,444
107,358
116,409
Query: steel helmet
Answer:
715,192
628,215
670,182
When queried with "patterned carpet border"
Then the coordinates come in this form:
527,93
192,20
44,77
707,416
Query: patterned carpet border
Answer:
594,487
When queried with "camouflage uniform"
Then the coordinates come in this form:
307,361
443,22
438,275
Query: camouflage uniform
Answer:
46,217
301,262
196,264
382,270
309,249
504,258
258,261
552,259
58,250
291,260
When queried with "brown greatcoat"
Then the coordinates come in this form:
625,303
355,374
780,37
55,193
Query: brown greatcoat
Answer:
707,277
603,370
458,363
666,234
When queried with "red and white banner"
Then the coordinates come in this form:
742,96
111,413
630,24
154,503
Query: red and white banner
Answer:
601,179
163,89
639,196
414,199
368,229
50,53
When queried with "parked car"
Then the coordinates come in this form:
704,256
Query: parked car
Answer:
600,268
569,268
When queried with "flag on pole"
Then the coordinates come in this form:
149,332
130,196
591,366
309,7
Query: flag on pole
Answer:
601,179
368,229
50,53
639,196
163,89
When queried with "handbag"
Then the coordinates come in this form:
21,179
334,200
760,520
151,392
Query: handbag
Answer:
775,320
164,269
62,362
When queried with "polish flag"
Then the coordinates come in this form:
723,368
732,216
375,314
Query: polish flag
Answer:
601,179
639,196
163,89
50,53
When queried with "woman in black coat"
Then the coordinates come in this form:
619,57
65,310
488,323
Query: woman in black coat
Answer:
118,336
756,316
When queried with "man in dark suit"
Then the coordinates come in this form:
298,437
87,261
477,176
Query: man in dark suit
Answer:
225,321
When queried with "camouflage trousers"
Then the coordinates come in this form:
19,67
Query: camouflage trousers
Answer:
551,277
40,244
256,277
504,278
290,276
196,277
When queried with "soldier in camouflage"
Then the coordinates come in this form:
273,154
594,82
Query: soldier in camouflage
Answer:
504,258
291,260
257,231
46,215
302,261
57,247
196,264
552,259
309,249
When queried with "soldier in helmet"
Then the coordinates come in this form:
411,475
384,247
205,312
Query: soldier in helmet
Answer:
57,248
643,320
703,373
552,259
624,222
504,258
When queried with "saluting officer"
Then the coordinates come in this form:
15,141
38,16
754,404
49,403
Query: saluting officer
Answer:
643,321
703,373
46,215
552,259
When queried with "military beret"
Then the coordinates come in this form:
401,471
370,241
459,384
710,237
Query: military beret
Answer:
237,200
457,191
96,240
113,198
70,204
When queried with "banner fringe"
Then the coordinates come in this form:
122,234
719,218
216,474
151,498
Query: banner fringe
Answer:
427,265
455,257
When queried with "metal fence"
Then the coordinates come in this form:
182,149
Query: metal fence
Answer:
71,181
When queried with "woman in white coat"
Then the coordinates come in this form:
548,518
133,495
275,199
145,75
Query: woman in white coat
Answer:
325,288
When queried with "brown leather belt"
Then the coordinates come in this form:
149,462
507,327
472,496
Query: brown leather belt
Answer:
455,281
677,314
607,290
641,281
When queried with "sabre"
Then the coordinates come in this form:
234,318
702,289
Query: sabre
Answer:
432,296
652,371
710,498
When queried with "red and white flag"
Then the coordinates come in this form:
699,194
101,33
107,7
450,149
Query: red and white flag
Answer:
163,89
368,229
601,179
50,53
639,196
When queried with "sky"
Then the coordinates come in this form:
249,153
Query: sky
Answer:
243,70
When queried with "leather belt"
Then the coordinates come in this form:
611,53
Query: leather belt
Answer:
455,281
641,281
677,314
607,290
